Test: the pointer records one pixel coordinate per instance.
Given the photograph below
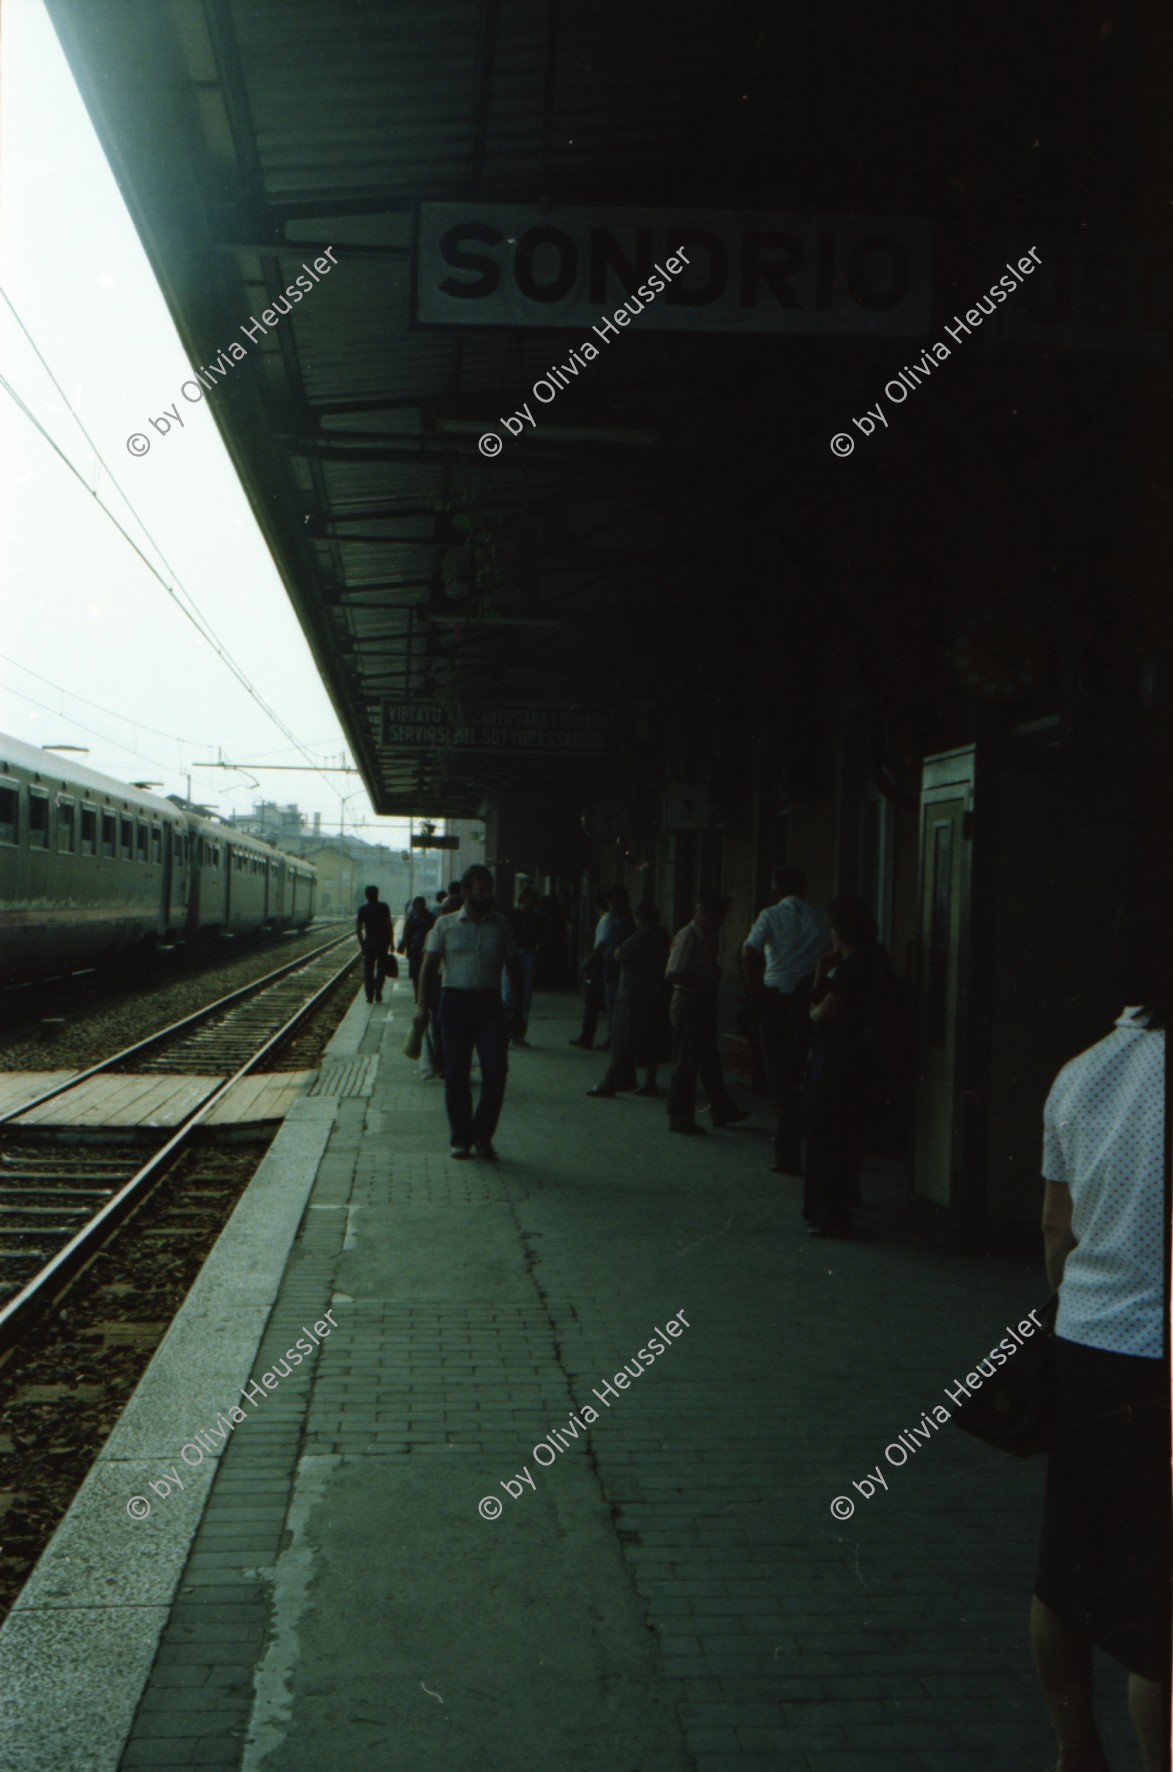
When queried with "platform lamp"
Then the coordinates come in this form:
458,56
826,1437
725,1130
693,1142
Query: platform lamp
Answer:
80,750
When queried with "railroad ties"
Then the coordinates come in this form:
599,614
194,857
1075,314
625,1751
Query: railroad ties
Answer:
79,1152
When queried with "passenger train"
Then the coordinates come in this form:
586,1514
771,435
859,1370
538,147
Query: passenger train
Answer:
92,870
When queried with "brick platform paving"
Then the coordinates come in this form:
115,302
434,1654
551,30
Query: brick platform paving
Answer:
673,1591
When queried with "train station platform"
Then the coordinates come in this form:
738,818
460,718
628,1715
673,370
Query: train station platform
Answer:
410,1548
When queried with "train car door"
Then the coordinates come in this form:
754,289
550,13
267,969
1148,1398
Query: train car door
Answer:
168,874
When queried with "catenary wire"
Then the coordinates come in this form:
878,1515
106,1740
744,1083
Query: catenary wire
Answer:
182,601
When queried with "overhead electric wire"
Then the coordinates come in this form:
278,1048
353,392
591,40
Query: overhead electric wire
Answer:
141,725
93,732
193,744
182,602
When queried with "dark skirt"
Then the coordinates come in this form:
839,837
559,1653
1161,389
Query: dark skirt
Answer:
1104,1553
644,1008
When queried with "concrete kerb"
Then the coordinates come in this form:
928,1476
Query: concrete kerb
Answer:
77,1649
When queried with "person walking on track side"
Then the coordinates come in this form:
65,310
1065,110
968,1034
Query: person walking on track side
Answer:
694,974
375,930
473,944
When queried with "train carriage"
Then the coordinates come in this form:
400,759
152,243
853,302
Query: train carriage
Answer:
92,870
89,868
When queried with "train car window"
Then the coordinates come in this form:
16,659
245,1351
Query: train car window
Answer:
127,838
9,812
108,835
156,843
65,824
141,846
38,819
89,831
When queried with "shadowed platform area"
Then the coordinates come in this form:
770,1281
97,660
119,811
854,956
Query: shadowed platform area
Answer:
414,1550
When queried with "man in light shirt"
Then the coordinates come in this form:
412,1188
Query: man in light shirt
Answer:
473,944
779,954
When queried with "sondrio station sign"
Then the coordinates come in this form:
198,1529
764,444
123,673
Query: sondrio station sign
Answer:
491,264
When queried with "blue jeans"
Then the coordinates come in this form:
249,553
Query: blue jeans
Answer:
468,1020
528,961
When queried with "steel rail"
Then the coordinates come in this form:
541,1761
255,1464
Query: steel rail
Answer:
176,1027
46,1286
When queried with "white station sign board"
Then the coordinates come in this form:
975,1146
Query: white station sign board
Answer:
500,264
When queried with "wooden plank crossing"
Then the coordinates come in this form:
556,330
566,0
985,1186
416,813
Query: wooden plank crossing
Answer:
266,1097
18,1086
162,1100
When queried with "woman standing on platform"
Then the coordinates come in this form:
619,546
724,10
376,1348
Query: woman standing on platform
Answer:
641,1034
1104,1566
835,1091
622,926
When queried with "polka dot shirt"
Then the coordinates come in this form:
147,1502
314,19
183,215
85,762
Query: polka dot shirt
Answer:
1104,1138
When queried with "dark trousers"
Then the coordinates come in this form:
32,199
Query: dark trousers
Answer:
694,1053
374,969
527,959
782,1058
473,1020
593,1004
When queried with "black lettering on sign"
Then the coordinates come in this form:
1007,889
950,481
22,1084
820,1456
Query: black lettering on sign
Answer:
450,252
566,275
606,254
878,272
685,292
770,258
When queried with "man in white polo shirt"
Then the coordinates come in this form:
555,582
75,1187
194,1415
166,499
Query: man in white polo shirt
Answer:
779,955
473,944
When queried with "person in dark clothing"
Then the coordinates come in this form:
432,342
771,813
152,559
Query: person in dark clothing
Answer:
527,933
622,925
641,1034
418,922
694,974
593,974
374,930
835,1091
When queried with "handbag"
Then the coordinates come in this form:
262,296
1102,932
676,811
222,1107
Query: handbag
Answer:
414,1043
1016,1410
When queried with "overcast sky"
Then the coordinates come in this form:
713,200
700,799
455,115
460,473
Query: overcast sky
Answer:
83,621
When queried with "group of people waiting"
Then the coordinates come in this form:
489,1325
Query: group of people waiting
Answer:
815,985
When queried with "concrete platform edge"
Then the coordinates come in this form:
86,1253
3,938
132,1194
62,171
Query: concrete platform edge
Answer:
106,1576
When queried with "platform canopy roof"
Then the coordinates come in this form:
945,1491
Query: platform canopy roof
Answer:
487,622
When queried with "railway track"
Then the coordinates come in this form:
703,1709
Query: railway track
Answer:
60,1203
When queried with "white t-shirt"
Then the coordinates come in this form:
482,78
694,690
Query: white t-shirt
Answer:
1104,1138
793,935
